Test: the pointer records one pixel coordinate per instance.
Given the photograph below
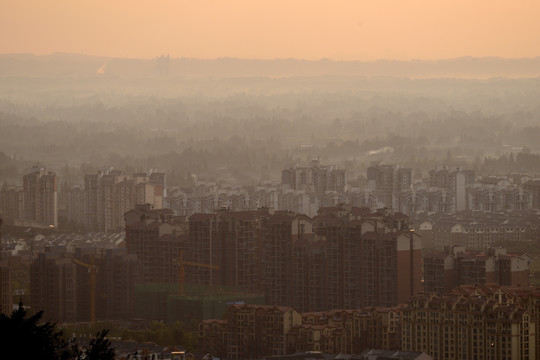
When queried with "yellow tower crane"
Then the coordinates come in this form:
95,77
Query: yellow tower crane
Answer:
92,270
182,270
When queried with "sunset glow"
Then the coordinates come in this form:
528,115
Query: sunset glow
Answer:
344,30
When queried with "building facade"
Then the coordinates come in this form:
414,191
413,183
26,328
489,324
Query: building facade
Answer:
254,331
388,181
444,271
40,197
110,193
157,238
12,204
6,287
345,257
61,286
484,322
231,242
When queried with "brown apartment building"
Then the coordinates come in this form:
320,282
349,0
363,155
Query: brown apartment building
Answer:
12,203
283,283
156,237
249,331
345,258
231,242
53,285
444,271
473,322
62,288
252,331
6,288
116,275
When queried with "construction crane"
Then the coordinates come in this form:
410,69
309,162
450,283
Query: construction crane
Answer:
92,270
182,270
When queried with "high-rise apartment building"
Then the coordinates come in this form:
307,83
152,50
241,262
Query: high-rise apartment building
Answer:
100,191
6,288
444,271
249,331
473,322
12,204
40,197
53,285
157,238
346,258
110,193
388,181
75,209
116,275
232,241
279,277
61,286
533,187
455,180
316,179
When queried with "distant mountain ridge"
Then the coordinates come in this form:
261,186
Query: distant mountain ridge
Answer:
77,65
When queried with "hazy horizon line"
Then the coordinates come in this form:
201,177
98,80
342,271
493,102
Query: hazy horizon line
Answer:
493,57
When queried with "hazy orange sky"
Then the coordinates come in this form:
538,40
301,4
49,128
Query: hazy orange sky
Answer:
341,30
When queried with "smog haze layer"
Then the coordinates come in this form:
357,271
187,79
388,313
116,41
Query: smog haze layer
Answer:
191,87
310,30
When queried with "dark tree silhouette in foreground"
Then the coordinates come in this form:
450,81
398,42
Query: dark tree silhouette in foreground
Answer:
100,347
25,337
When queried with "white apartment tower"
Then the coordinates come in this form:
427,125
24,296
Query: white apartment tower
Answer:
40,197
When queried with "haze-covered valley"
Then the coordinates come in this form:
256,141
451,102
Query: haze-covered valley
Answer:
76,114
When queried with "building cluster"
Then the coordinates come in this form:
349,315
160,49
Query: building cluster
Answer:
470,322
455,267
303,189
27,241
98,206
345,257
474,322
100,203
64,284
256,331
386,184
107,195
446,190
317,178
32,204
478,229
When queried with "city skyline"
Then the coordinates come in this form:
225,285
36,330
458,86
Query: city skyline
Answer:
271,179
